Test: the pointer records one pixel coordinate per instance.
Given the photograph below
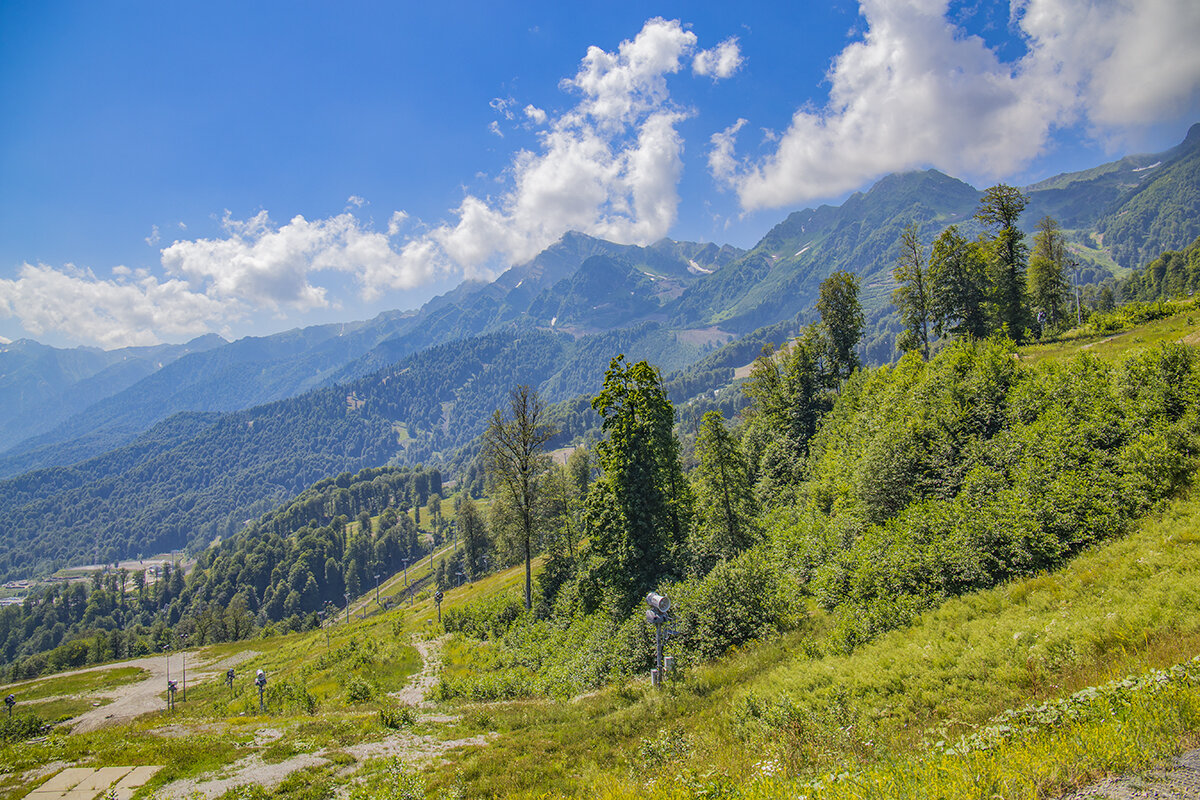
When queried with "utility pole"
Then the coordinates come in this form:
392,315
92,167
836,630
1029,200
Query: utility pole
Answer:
183,637
377,588
347,608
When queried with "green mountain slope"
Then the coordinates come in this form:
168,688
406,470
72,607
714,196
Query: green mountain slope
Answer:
41,386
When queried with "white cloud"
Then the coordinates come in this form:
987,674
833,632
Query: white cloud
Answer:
917,91
356,201
396,222
272,266
503,106
609,167
720,62
110,313
153,239
721,161
494,129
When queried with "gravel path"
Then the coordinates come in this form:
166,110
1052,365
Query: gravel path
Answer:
1178,782
408,746
134,699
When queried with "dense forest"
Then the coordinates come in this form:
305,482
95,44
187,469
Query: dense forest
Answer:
282,568
874,494
1174,274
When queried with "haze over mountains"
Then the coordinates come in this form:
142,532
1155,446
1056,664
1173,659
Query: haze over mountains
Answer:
175,444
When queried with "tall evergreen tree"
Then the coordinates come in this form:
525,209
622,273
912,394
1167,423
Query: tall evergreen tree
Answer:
725,507
912,295
999,209
639,512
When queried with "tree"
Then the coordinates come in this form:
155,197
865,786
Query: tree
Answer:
912,295
957,286
639,512
725,518
474,538
843,320
1048,287
999,209
513,451
789,391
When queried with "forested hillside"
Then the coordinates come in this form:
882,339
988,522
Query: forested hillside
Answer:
198,476
41,386
284,565
1174,274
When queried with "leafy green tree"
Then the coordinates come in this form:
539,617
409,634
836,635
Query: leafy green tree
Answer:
1048,287
725,507
475,543
513,449
999,210
912,295
958,286
789,392
639,512
843,320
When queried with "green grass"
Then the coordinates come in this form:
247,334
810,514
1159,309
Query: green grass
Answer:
1122,608
1112,346
74,684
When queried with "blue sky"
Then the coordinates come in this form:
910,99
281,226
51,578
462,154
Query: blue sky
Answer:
169,169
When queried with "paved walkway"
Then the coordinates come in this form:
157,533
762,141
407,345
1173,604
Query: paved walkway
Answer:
87,783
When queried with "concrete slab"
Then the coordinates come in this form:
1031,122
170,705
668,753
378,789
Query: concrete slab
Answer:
133,781
69,778
101,779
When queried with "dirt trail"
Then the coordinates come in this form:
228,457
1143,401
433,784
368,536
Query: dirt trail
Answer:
408,746
431,660
1180,781
134,699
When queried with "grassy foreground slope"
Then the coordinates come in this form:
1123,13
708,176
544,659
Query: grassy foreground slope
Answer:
882,717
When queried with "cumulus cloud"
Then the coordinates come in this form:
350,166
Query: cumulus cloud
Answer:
917,91
112,313
609,166
272,266
154,238
719,62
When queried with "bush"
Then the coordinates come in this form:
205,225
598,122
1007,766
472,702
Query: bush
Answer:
741,600
358,690
21,727
289,696
397,716
485,619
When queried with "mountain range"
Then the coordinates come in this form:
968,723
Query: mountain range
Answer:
127,450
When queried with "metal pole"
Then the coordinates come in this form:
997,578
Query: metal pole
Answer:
658,649
377,587
347,608
183,653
